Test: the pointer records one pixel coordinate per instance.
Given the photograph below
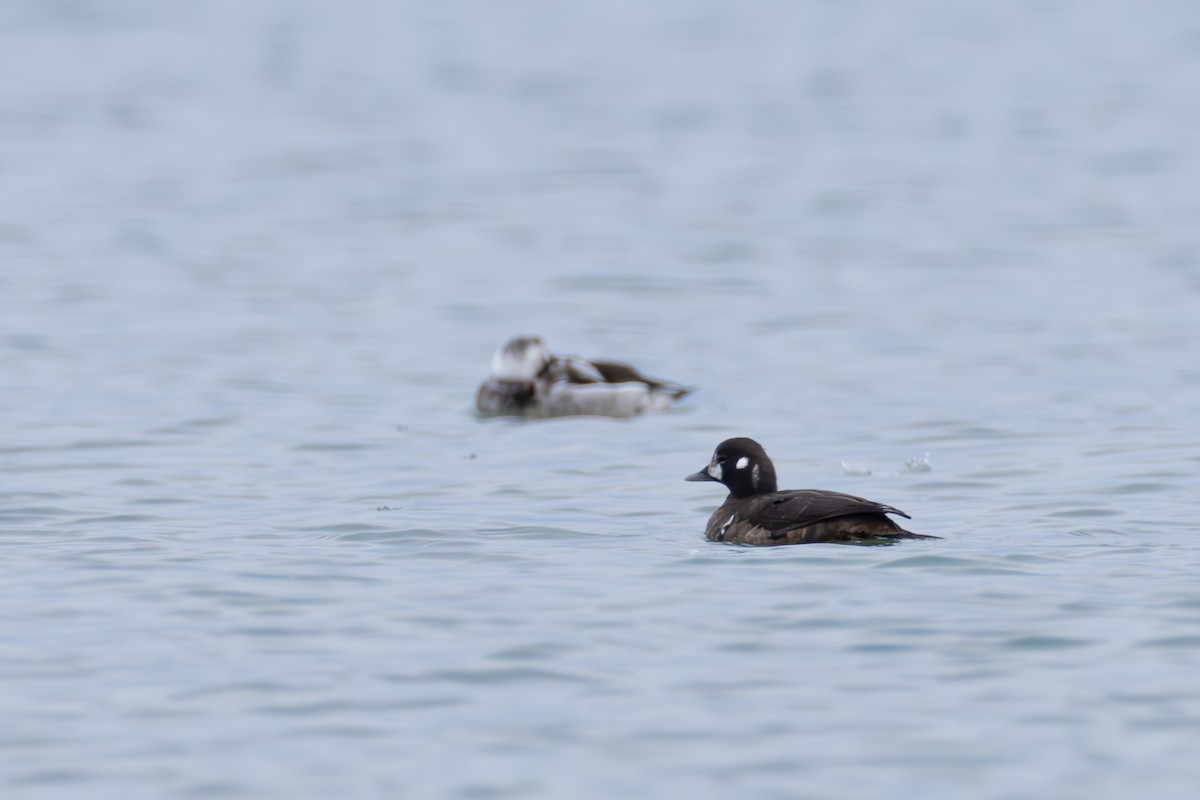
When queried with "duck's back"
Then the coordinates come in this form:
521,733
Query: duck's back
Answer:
803,516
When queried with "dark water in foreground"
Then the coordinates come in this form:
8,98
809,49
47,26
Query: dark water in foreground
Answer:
254,258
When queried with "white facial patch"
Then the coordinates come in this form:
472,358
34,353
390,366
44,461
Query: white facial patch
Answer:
714,471
742,462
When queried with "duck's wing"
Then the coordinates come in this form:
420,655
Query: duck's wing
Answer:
616,372
801,507
570,369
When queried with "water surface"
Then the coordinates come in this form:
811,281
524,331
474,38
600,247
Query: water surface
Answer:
254,257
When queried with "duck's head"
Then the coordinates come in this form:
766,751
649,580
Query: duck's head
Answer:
521,358
742,465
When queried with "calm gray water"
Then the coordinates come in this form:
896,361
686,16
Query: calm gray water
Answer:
254,258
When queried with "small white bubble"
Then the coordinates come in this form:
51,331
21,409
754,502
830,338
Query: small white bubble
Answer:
917,464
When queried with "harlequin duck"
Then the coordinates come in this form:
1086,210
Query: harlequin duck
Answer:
757,513
527,379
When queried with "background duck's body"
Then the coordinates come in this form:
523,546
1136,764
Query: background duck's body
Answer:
526,379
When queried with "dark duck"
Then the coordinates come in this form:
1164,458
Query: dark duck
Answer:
757,513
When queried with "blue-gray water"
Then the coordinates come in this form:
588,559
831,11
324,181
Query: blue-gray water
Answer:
255,258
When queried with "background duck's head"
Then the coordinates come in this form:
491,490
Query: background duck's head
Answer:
521,358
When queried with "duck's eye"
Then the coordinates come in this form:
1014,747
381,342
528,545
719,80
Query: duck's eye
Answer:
720,459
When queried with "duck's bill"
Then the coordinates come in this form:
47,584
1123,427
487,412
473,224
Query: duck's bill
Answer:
702,475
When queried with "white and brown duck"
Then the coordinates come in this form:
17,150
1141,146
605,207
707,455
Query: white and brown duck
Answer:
527,379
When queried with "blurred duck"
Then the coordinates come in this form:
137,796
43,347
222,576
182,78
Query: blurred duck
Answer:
527,379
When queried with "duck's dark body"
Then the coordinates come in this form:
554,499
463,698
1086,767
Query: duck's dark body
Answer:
801,516
755,513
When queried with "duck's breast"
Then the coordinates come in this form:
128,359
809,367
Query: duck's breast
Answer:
504,397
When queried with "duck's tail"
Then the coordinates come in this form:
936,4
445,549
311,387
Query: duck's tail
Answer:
903,534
